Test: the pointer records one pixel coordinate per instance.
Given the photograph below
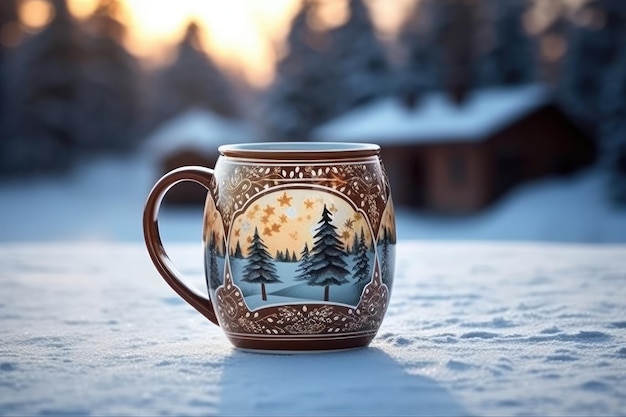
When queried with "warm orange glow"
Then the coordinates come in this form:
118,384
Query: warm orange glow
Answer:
331,13
389,15
82,8
236,32
244,35
35,14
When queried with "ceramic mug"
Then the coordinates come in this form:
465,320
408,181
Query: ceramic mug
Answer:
299,243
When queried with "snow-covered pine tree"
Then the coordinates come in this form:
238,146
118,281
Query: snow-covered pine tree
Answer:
10,30
193,80
361,266
260,267
593,46
613,128
302,272
438,43
327,264
43,91
509,58
361,72
109,94
301,96
458,29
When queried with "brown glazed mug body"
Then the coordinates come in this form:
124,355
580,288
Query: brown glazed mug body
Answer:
299,242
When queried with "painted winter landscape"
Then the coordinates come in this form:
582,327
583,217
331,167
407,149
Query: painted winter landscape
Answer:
293,246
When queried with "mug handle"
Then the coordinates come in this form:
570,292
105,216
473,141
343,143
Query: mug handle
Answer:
161,260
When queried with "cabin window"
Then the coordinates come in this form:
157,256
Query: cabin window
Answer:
457,169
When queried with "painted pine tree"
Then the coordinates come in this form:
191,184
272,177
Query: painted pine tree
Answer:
328,266
302,272
362,264
214,275
238,254
355,245
260,268
384,262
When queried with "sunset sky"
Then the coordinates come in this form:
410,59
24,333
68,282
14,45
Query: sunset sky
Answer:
286,221
243,35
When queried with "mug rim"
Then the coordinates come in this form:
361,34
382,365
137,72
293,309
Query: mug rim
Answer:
299,150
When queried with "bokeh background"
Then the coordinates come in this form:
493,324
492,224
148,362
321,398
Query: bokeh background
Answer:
498,119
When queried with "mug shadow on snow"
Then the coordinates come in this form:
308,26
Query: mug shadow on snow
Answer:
358,382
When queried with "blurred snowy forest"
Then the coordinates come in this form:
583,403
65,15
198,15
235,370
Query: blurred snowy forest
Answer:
72,89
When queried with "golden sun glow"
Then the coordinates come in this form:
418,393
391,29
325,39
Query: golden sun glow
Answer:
238,33
35,13
244,36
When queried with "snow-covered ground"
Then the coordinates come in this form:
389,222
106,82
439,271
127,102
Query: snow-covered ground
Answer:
102,200
472,329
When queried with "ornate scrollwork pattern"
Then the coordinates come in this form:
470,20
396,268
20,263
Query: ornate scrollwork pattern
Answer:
364,183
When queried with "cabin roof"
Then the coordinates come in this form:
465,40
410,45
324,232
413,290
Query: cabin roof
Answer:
197,129
435,118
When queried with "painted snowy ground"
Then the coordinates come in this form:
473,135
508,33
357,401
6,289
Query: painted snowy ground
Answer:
292,291
103,201
472,329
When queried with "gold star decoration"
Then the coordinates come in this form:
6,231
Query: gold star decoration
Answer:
269,210
308,204
283,218
285,200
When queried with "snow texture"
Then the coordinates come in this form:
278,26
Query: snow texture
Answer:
504,329
436,118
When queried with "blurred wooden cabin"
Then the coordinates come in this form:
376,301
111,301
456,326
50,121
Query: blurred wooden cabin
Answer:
192,138
453,158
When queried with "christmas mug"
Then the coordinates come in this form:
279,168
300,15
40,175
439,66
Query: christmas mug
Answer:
299,243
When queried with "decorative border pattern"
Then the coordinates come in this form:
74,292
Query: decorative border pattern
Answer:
364,183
